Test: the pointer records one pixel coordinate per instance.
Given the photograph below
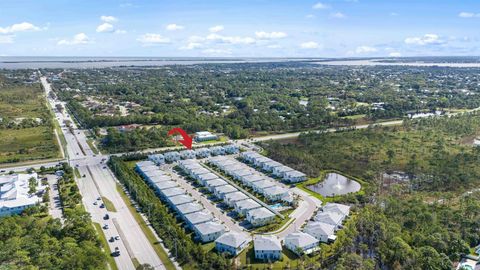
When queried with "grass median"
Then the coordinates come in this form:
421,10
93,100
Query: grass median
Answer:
105,246
162,254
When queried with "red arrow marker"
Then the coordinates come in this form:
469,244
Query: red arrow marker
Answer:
187,140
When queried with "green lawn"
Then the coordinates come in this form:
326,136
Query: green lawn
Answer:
108,204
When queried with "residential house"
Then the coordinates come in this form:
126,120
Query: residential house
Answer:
175,201
271,165
233,197
294,176
202,152
188,154
231,149
203,178
331,218
267,247
322,231
211,184
188,208
167,193
232,243
260,217
301,243
158,159
260,186
281,170
198,217
208,231
275,193
171,156
217,150
221,191
242,207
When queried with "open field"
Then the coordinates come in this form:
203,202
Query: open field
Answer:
25,126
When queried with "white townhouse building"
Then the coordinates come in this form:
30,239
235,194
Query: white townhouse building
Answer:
275,193
188,154
267,247
242,207
301,243
294,176
322,231
158,159
208,231
331,218
280,171
260,217
233,197
221,191
232,243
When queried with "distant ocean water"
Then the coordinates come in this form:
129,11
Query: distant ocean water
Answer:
26,62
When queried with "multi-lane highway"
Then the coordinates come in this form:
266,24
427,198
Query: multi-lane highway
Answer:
97,181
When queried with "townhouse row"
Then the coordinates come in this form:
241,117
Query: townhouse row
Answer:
195,216
203,152
260,183
327,221
256,214
277,169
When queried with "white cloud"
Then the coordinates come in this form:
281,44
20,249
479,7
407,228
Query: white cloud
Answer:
310,45
80,38
427,39
174,27
270,35
230,39
468,15
6,39
274,46
150,39
320,6
310,16
118,31
105,28
395,54
217,52
191,46
216,28
19,27
365,49
338,15
196,39
108,19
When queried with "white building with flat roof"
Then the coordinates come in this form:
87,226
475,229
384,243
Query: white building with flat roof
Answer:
248,180
202,136
217,150
203,178
260,217
322,231
271,165
232,243
267,247
301,243
208,231
14,193
202,152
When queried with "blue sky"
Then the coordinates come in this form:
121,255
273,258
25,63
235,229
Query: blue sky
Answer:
252,28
